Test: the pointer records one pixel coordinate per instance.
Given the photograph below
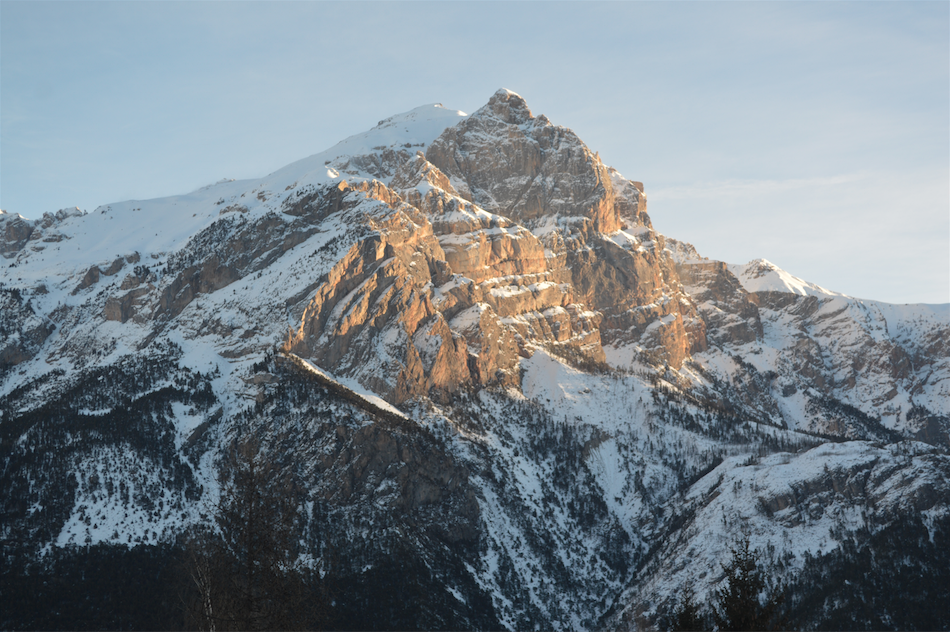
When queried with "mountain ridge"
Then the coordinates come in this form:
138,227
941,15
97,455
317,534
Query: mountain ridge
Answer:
574,388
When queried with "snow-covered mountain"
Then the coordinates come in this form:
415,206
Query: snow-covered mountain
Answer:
483,364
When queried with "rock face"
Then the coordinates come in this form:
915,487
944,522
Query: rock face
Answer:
506,235
22,330
16,232
592,221
511,163
730,313
836,364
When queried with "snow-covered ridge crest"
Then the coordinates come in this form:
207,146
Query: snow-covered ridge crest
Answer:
375,153
508,93
411,131
156,227
887,363
761,275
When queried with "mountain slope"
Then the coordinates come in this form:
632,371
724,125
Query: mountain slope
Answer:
487,371
836,365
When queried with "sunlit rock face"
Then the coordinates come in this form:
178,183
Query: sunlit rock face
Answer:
506,235
515,164
591,221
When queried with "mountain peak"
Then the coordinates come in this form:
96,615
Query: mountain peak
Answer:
506,93
467,341
510,162
761,275
432,112
509,106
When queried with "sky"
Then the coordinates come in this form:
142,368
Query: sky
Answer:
812,134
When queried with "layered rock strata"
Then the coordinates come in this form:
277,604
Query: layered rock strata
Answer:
506,235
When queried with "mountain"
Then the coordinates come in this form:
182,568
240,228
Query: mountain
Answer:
506,400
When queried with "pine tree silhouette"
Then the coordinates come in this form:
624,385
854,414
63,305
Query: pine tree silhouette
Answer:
686,617
738,604
247,570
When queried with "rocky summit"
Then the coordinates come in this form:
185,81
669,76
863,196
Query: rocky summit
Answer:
505,400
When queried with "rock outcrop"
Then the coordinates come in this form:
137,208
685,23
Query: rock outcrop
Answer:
16,233
509,162
506,235
836,365
22,330
515,236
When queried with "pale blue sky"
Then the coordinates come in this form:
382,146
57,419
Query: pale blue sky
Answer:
815,135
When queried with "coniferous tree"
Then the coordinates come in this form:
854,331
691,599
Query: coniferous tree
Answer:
739,604
687,617
246,567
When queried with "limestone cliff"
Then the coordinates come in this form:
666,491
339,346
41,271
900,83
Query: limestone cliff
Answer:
508,234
